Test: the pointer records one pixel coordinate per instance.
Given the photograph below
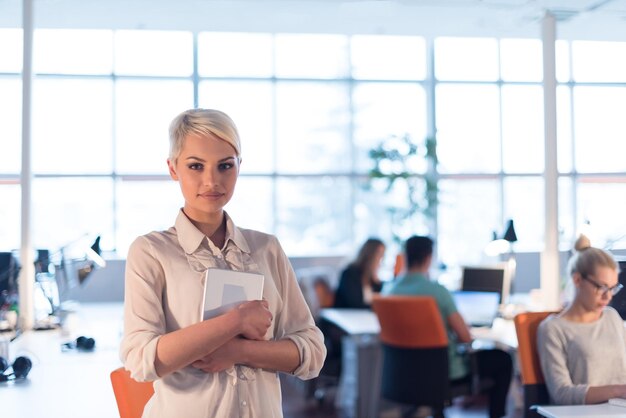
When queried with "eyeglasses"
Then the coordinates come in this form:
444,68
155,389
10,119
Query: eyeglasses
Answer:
604,289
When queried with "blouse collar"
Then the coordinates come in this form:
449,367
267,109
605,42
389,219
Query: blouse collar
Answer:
190,237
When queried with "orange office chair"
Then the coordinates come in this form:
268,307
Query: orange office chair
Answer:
535,390
131,396
415,351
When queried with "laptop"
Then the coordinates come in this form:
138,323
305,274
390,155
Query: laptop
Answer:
486,279
479,309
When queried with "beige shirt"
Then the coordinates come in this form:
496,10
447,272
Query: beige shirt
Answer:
164,291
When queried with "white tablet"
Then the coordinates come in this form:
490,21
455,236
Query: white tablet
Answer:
225,289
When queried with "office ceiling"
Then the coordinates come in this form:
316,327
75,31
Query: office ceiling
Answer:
577,19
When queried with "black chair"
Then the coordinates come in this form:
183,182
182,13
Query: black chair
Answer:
321,296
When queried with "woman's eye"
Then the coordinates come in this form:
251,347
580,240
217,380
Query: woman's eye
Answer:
225,166
195,166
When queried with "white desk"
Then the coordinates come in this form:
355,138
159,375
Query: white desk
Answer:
502,333
353,321
578,411
71,383
359,384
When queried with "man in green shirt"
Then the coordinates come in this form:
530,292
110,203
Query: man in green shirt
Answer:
494,365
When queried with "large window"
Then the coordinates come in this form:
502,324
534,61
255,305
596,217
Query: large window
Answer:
309,107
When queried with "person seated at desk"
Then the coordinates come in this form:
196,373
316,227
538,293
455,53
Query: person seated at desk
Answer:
357,283
494,365
360,279
582,350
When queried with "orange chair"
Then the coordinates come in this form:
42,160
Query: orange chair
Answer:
399,265
535,390
415,351
131,396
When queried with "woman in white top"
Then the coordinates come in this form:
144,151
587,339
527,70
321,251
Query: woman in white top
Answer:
583,349
224,366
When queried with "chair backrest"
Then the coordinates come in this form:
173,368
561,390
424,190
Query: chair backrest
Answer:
410,321
324,292
131,396
535,391
415,351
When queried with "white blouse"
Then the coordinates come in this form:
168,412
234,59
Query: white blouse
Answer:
164,290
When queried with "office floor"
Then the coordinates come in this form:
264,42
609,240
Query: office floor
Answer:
296,404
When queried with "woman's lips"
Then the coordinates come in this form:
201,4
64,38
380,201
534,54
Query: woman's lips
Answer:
210,196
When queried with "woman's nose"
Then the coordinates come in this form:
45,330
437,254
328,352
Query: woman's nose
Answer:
209,177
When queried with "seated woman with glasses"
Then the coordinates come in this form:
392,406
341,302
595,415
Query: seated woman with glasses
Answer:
582,350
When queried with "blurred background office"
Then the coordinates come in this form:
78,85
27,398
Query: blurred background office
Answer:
313,87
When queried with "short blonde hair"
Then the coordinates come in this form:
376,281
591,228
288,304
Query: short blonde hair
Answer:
202,122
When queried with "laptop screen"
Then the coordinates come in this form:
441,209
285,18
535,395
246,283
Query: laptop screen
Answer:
479,309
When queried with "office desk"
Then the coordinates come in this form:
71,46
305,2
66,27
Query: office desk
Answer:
578,411
359,385
501,333
358,395
67,383
353,321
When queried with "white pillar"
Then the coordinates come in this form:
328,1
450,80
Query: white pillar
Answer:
27,273
550,273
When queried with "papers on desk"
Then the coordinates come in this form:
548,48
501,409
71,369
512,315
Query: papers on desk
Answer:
618,401
502,332
225,289
578,411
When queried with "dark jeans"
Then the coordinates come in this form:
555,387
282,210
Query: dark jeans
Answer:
495,370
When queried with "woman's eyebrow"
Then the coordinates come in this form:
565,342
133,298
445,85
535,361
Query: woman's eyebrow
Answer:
193,157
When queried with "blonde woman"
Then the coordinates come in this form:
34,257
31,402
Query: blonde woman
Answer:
583,349
224,366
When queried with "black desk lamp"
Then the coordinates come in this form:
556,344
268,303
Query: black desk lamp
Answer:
67,273
509,234
500,246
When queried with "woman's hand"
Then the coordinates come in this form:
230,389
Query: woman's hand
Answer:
219,360
255,319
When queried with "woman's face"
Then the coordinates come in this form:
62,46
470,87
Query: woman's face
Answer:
594,291
206,169
378,257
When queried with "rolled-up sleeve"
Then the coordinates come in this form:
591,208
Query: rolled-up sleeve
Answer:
553,359
295,321
144,320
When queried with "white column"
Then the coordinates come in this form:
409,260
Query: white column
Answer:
550,256
27,273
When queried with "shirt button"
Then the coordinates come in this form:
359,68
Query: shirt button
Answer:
219,256
242,376
244,403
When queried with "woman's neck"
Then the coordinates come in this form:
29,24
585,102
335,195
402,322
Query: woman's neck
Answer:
213,227
576,312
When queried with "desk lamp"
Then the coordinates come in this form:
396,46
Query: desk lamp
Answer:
504,245
64,275
510,236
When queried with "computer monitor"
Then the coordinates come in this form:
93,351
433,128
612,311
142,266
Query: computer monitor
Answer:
9,269
487,279
619,301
